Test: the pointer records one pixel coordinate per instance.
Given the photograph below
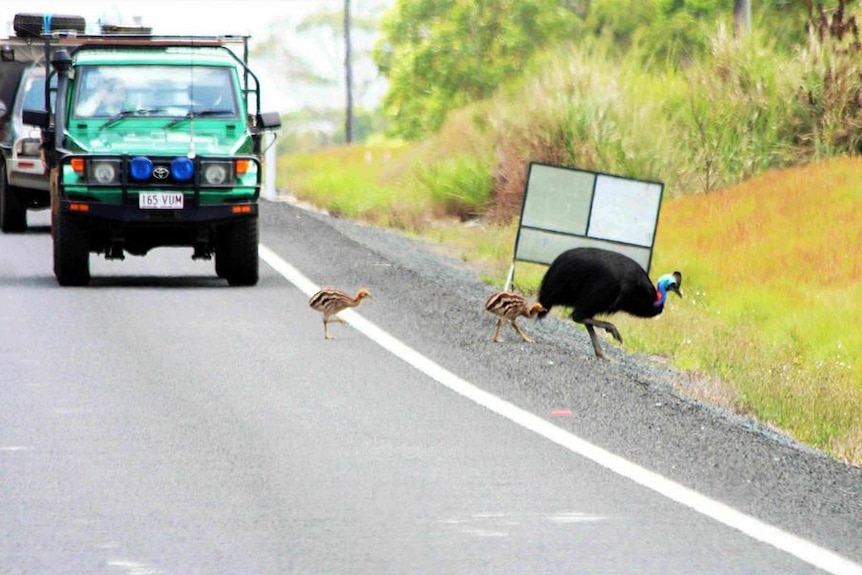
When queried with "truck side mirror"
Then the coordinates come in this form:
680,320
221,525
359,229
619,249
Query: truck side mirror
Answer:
268,120
35,118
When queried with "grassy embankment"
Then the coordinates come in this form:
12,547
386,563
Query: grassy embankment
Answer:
773,281
769,252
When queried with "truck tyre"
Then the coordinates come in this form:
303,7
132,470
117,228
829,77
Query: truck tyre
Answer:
13,213
242,258
221,254
71,256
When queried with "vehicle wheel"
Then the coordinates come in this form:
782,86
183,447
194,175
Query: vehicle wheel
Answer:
13,212
71,256
222,258
242,258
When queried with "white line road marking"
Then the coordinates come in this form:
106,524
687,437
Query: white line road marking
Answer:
802,549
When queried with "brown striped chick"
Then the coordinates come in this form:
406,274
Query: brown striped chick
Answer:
509,307
330,301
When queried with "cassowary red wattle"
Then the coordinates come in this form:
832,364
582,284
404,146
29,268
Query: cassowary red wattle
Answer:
594,281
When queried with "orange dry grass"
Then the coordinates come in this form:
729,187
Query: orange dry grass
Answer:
773,280
780,228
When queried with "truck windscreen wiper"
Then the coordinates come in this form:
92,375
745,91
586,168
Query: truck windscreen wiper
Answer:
120,116
200,114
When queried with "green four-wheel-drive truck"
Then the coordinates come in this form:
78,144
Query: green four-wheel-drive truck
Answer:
153,141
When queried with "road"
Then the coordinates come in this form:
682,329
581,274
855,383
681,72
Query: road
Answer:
160,422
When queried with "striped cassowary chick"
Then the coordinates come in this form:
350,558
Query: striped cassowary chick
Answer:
508,306
330,301
595,281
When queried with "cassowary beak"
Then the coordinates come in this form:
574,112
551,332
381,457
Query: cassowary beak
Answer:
677,285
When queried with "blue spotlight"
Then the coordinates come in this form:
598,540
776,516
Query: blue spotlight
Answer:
141,168
182,169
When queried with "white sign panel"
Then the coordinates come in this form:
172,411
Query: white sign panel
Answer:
624,210
566,207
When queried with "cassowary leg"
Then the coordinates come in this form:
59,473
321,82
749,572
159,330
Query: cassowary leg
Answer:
607,326
595,339
326,328
497,330
521,333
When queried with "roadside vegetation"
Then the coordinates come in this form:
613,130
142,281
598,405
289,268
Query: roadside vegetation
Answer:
757,141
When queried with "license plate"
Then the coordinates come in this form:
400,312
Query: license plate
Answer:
160,201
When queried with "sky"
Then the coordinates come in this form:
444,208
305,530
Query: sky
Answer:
257,18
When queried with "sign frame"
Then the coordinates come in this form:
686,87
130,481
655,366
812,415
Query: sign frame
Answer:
565,207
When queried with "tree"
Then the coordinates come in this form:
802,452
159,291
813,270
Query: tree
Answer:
348,74
439,55
328,48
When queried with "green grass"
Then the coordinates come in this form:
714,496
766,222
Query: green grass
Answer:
774,276
772,280
771,262
354,182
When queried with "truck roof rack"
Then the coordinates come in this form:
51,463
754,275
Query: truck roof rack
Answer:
126,39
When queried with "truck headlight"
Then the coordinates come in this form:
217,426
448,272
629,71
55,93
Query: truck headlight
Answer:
104,171
217,173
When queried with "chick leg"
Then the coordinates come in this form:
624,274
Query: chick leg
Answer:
497,331
326,334
521,333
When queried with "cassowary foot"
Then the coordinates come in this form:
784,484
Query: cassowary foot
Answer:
605,325
615,333
595,340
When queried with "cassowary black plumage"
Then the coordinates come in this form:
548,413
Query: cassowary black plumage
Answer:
595,281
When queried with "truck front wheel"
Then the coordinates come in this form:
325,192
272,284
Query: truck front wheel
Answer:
240,268
13,213
71,256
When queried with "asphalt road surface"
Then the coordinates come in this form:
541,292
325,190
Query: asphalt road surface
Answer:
161,422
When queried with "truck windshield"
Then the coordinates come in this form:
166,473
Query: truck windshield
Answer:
167,91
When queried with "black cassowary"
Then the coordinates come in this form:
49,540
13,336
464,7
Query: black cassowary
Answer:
595,281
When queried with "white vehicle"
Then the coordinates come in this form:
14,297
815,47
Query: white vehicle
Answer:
23,174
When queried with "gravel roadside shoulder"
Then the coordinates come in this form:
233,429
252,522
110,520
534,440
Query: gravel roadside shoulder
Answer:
629,405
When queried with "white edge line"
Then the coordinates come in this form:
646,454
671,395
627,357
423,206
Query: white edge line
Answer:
800,548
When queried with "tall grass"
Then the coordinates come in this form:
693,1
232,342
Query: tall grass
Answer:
774,299
770,258
356,182
459,186
772,282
